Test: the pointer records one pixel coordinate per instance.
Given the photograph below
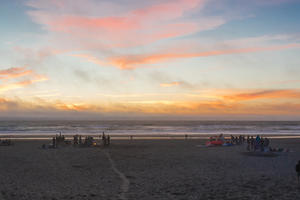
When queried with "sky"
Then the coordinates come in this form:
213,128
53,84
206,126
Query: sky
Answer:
159,59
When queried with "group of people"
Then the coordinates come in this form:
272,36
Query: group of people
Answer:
88,140
6,142
105,139
258,143
77,139
57,140
237,139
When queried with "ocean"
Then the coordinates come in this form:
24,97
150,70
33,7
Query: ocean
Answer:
149,127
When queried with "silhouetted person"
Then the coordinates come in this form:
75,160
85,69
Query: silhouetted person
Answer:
108,140
248,143
298,170
75,137
252,141
266,142
262,145
54,142
80,139
103,139
232,139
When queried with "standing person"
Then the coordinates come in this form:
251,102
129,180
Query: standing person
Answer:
108,140
298,170
232,139
252,143
257,142
80,139
266,142
248,143
54,142
103,139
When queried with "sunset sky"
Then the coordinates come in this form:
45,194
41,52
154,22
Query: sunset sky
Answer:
160,59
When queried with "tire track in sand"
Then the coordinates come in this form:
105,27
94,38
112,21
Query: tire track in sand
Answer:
125,181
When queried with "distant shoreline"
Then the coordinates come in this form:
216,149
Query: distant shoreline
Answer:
143,136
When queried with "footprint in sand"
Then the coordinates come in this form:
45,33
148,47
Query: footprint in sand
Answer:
125,181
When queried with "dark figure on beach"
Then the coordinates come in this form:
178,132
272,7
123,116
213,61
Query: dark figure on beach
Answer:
240,139
262,144
248,143
103,139
298,170
75,137
80,139
257,143
266,142
108,140
232,139
54,142
252,141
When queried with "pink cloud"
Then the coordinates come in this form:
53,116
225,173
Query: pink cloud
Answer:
14,72
140,60
133,61
91,27
136,26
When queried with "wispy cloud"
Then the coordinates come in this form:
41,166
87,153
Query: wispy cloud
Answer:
110,34
18,77
169,84
137,25
134,61
264,94
14,72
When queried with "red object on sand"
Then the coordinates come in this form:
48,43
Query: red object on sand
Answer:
215,143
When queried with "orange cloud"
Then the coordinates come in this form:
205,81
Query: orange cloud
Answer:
132,61
265,94
135,61
14,72
28,77
148,108
169,84
73,106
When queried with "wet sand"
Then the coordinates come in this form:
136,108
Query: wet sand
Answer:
147,169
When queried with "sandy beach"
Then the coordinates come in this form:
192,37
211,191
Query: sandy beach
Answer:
146,169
